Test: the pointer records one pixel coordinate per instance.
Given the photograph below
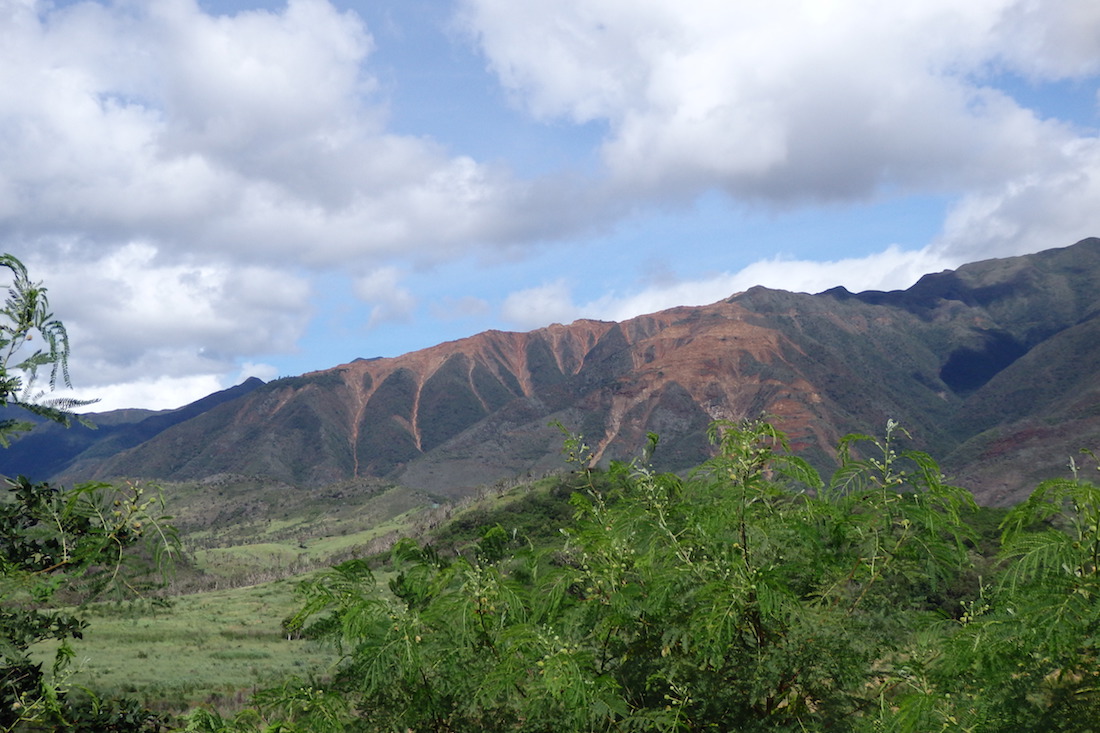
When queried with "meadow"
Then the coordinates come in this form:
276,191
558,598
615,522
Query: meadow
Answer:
214,648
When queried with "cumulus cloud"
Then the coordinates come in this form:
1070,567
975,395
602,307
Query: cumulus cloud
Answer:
383,289
1053,208
181,174
540,305
266,372
150,393
164,392
1048,40
798,101
255,135
891,269
179,178
131,315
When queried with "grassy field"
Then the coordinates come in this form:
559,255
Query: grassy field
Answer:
217,647
206,648
272,550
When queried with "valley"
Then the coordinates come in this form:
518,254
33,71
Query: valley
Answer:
492,449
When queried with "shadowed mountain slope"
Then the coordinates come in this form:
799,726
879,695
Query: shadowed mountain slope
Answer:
51,449
991,367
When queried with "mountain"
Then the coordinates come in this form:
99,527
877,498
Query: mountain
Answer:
991,368
51,449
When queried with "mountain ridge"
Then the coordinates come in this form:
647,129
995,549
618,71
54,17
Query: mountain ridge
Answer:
970,360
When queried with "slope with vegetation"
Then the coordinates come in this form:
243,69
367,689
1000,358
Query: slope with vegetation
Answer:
983,364
748,596
59,546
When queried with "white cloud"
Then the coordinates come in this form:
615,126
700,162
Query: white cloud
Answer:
257,136
134,318
1045,40
892,269
1029,213
392,302
152,393
541,305
266,372
797,100
177,178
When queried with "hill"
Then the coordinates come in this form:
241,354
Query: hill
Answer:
990,367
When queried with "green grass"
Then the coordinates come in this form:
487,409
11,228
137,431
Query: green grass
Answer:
292,557
208,648
218,647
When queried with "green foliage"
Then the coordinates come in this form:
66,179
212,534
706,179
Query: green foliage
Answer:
535,513
749,595
66,547
1025,655
24,318
58,546
92,714
746,596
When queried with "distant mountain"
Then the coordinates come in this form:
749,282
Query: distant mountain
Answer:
51,449
992,368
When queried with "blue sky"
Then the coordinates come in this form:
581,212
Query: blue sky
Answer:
216,189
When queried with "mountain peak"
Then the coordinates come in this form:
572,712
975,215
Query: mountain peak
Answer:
969,361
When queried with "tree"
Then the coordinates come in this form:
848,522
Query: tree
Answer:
59,546
1026,654
747,596
26,318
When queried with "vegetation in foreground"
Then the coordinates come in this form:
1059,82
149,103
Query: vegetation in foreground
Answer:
59,547
748,596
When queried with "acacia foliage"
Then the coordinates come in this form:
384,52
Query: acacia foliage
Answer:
31,339
749,596
59,547
1026,653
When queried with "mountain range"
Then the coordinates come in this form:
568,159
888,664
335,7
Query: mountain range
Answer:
992,368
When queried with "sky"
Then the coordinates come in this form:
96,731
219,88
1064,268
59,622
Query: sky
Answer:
217,189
